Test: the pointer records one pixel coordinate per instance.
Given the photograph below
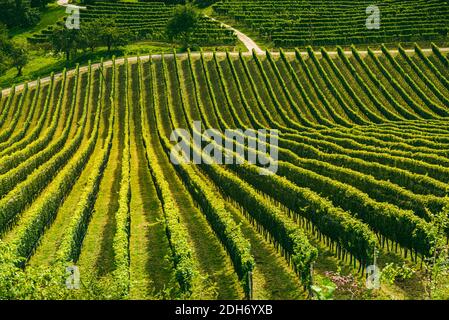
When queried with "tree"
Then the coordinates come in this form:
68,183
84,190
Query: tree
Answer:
19,57
112,35
103,32
182,25
11,54
18,13
65,40
90,35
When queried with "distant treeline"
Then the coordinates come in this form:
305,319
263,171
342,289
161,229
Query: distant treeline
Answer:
22,13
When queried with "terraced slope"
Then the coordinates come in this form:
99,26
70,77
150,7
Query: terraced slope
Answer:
289,23
363,164
147,20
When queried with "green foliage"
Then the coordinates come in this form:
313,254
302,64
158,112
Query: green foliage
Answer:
332,222
4,59
436,265
393,272
437,109
48,282
18,13
101,32
44,212
90,35
19,58
430,84
4,114
3,35
415,105
13,153
212,206
291,23
291,123
4,62
430,64
388,114
315,111
110,34
6,134
40,283
186,269
296,109
325,292
437,52
182,25
352,113
17,136
120,243
12,54
352,189
71,243
322,97
292,239
373,117
138,21
404,112
12,204
64,40
40,3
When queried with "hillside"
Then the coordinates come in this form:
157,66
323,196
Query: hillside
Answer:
87,173
290,23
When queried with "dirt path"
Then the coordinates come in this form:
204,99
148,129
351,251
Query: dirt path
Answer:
249,43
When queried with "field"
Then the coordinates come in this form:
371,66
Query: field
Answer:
147,20
290,23
87,178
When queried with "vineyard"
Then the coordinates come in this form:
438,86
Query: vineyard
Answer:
146,20
86,177
289,23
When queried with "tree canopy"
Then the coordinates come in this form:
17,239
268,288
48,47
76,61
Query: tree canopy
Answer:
19,13
11,54
101,32
182,25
